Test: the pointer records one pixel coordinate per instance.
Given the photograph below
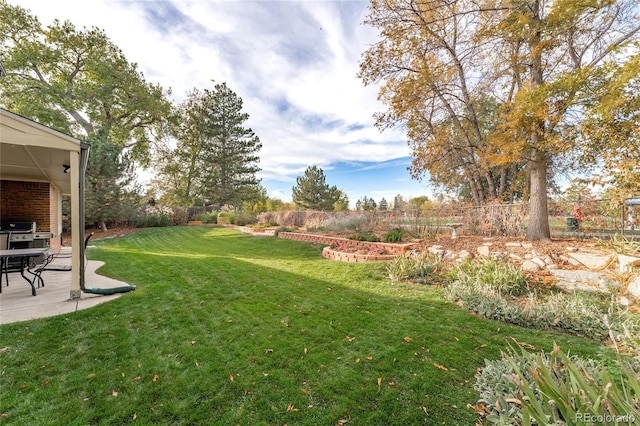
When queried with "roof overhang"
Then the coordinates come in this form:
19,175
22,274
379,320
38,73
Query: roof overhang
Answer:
30,151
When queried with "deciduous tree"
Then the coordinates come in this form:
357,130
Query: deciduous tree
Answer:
442,61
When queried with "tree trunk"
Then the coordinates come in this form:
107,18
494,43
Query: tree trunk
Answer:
538,229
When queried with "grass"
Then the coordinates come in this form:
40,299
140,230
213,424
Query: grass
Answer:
226,328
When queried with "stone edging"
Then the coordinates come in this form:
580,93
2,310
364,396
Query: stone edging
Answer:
396,249
354,257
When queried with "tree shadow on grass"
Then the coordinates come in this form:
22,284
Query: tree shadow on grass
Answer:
242,332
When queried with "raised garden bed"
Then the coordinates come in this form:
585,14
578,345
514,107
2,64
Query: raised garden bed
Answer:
347,256
392,248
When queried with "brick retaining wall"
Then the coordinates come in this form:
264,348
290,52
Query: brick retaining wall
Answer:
325,239
354,257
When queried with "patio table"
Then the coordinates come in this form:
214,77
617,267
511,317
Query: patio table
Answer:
25,255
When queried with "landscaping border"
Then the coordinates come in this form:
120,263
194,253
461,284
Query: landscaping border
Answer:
394,248
342,256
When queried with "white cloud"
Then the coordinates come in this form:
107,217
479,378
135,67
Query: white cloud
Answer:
294,64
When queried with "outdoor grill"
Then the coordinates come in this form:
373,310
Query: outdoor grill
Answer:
24,234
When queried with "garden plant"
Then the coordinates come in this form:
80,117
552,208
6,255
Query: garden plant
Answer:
226,328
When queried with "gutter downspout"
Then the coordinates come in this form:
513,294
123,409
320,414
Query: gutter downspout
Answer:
84,160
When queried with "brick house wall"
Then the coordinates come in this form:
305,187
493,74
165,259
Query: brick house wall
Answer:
28,201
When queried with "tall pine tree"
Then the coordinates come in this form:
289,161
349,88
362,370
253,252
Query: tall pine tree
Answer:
215,161
313,193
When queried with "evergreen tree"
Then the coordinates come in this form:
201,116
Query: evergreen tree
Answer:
366,204
383,205
215,160
313,193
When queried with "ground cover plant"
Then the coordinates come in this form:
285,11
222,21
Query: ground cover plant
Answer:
226,328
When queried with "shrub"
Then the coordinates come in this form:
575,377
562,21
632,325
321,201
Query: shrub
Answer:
152,221
555,388
364,236
504,277
284,229
393,236
415,266
227,217
206,217
577,313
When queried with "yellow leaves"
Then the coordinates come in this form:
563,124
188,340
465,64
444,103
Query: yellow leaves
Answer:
290,408
91,376
440,366
231,378
351,338
114,393
407,339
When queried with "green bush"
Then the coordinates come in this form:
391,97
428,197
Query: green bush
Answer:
364,236
206,217
577,313
504,277
421,267
153,221
555,388
394,236
284,229
228,217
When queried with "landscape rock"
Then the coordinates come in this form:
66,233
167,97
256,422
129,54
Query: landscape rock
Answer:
633,289
484,250
464,255
571,280
627,263
593,260
530,266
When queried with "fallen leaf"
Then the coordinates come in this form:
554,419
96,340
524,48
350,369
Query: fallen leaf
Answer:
440,366
155,377
369,358
231,377
137,379
22,386
91,375
392,384
357,360
290,407
407,339
305,351
351,339
193,342
3,350
379,381
45,383
457,340
114,393
304,391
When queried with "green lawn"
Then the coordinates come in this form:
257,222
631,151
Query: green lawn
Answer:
227,328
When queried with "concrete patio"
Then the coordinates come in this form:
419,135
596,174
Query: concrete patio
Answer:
17,303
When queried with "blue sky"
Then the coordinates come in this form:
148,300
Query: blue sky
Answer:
294,64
